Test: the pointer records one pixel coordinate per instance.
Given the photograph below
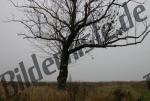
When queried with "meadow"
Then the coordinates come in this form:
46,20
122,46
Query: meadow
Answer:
83,91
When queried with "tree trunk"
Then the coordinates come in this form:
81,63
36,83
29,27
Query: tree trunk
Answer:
63,72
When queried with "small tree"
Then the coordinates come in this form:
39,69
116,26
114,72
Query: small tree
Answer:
62,25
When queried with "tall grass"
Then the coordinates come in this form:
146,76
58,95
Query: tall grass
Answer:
83,92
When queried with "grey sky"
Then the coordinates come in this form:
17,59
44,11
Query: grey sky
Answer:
111,64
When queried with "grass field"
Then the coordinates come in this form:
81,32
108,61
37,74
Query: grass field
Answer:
103,91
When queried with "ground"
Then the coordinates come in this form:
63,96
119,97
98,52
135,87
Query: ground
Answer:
83,91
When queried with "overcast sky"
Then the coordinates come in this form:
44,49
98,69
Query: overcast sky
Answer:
111,64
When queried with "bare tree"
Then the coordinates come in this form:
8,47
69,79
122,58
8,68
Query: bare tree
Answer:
62,25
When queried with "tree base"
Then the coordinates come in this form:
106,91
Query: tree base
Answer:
62,79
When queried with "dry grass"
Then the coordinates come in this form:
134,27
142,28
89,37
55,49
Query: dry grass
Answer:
112,91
